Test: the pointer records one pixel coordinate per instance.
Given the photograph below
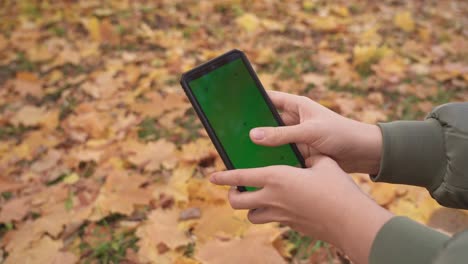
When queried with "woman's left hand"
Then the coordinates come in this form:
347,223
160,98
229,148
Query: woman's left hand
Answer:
322,202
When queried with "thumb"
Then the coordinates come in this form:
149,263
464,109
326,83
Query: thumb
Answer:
275,136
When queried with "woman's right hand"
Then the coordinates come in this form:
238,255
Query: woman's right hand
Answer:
315,129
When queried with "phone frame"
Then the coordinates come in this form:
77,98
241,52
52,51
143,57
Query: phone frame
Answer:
206,68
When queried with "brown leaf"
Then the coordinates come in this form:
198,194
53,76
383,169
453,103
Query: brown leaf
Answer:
27,83
102,86
190,213
449,220
153,155
45,250
15,209
160,228
7,185
120,184
255,247
29,116
316,79
3,42
90,124
46,163
198,150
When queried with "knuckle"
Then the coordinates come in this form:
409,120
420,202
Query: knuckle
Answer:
234,202
271,179
282,219
232,199
238,178
304,99
266,178
253,218
274,178
278,133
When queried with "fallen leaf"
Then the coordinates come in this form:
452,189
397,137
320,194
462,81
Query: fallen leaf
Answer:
254,247
29,116
119,184
153,155
27,83
220,221
248,22
190,213
340,10
449,220
160,228
177,185
45,250
404,20
15,209
200,149
7,185
93,27
104,85
49,161
325,24
383,193
3,42
369,54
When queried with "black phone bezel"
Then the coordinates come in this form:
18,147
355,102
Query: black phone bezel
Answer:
211,65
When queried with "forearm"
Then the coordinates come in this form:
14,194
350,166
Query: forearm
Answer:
357,228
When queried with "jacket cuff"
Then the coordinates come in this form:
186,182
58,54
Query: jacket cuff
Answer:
401,240
413,153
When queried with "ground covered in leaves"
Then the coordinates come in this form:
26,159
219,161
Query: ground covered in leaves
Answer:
103,160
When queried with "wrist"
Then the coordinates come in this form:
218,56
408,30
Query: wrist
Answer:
367,148
373,149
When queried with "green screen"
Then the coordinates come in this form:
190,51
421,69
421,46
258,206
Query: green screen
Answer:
233,106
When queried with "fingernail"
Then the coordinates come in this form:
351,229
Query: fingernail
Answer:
212,178
257,133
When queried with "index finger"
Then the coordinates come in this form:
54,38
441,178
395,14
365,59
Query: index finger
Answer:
284,101
255,177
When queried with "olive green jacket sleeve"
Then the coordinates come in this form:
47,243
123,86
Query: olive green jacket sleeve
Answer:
433,154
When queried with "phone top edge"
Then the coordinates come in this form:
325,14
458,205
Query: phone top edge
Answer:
211,65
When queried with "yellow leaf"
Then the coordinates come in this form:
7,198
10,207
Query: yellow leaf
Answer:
404,20
308,4
369,54
273,25
326,24
383,193
370,36
424,34
340,10
198,150
71,178
265,56
220,221
248,22
93,27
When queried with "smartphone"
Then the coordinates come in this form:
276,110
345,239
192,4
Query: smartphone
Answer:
230,100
